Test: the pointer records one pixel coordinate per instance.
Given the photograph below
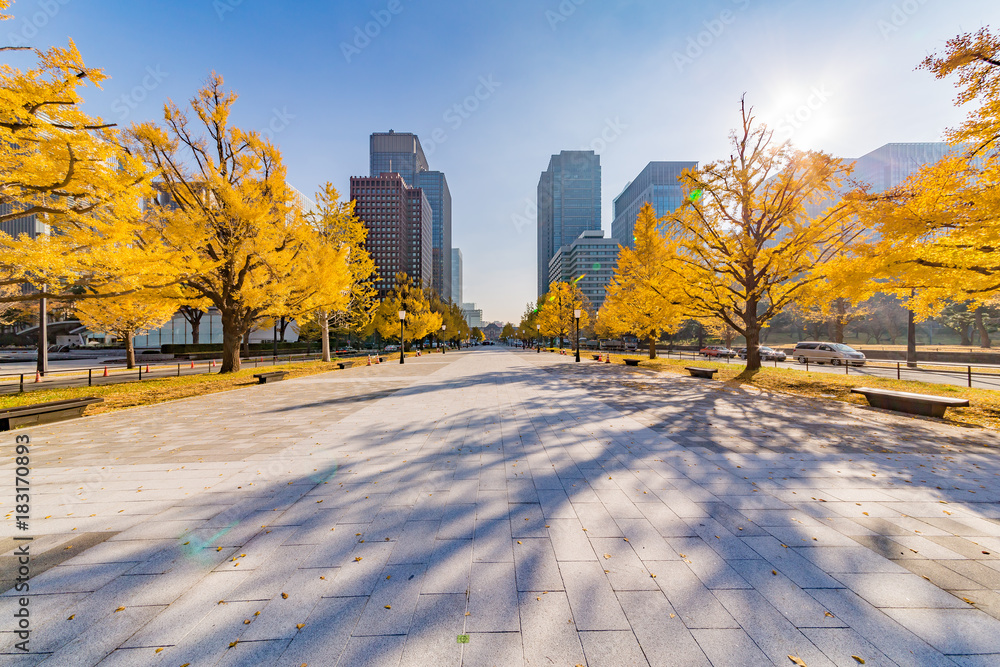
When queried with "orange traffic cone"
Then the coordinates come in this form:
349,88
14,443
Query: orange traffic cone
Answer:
105,371
38,376
147,368
213,363
607,358
369,360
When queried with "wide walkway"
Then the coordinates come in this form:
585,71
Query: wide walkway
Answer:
502,508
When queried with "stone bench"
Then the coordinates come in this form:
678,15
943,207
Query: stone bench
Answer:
45,413
696,372
273,376
904,401
632,362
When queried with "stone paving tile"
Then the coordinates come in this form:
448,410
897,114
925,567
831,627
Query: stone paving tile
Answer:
447,458
729,648
433,636
662,635
591,597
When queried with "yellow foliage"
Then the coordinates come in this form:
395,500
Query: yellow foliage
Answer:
68,169
227,209
420,319
644,297
556,315
126,316
746,247
936,233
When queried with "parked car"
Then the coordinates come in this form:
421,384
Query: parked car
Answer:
716,351
823,352
392,348
766,354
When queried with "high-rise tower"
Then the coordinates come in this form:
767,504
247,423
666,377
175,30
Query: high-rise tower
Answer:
569,203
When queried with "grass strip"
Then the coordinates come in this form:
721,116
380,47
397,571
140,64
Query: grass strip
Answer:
151,392
983,410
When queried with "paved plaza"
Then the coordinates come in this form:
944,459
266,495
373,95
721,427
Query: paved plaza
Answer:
506,508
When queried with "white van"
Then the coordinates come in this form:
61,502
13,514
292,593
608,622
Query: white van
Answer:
834,353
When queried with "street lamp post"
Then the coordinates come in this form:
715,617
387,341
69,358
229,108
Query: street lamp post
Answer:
576,316
444,327
402,324
42,364
538,339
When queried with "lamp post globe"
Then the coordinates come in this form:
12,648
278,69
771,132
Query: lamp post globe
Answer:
444,327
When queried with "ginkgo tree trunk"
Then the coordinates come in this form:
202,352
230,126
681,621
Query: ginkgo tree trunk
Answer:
746,246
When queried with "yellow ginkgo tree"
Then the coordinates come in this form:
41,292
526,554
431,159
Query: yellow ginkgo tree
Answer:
556,315
746,244
937,235
224,206
126,316
69,170
643,298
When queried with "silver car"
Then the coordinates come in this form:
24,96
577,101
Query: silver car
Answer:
822,352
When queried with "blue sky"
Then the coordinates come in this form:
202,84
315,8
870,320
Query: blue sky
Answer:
640,80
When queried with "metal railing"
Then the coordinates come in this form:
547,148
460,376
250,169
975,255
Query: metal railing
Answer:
12,383
944,369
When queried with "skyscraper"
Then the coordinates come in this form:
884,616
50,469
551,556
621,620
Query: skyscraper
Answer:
398,152
398,219
891,164
657,184
435,187
569,203
401,153
456,275
590,262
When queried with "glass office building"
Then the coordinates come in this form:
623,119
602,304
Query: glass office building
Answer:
401,153
891,164
657,184
435,187
456,275
569,203
396,152
590,261
398,219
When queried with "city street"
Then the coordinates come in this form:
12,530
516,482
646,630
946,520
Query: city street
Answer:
493,507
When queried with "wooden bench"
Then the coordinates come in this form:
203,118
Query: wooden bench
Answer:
904,401
632,362
45,413
273,376
697,372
